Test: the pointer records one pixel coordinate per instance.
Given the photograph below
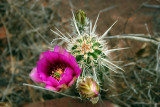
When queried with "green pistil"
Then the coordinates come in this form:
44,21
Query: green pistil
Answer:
57,74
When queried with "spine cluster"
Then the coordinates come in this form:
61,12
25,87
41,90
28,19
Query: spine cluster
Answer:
87,50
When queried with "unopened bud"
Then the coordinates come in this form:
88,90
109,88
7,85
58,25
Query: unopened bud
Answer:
80,17
88,88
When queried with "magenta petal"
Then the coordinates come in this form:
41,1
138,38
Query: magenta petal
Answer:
59,49
51,88
69,56
72,63
71,82
51,57
64,52
78,71
67,76
63,59
60,86
51,81
41,56
43,68
34,75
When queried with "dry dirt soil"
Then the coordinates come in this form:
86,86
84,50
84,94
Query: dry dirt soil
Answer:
132,18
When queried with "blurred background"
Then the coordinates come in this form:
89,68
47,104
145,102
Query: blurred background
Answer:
25,33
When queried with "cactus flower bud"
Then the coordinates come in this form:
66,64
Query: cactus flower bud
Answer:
88,88
80,17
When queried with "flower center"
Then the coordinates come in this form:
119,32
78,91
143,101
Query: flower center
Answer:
57,71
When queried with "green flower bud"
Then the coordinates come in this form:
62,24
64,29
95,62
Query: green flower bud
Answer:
88,88
80,17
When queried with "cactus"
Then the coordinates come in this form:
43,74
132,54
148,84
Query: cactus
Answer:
91,53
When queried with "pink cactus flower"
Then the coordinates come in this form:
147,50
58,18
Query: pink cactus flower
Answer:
57,69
